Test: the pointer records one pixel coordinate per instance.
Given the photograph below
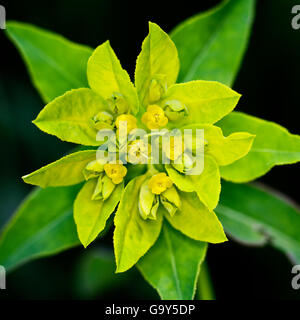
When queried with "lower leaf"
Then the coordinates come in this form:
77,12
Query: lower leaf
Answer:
254,216
273,145
43,225
172,265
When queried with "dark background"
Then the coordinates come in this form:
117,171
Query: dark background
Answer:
268,80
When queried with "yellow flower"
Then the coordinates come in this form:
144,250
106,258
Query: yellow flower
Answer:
138,152
155,117
176,148
159,183
126,119
115,171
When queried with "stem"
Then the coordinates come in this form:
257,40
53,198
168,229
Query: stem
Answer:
205,286
151,169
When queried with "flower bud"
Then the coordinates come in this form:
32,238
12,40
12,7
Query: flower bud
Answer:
93,169
103,120
154,209
184,163
156,89
146,199
104,188
148,202
118,104
175,110
171,200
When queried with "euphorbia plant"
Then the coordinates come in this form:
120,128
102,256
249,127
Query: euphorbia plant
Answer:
162,213
154,103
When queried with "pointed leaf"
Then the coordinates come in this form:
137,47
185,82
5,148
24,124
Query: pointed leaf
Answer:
55,64
225,150
133,235
206,101
158,58
69,117
63,172
91,215
196,221
211,44
106,76
273,145
256,216
172,265
42,226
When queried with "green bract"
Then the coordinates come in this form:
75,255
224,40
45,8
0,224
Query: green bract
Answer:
76,117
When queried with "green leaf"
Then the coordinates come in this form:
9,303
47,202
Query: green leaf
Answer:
207,185
225,150
211,44
91,215
255,216
95,276
133,235
172,265
42,226
196,221
206,101
69,117
63,172
273,145
205,286
158,60
55,64
106,76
